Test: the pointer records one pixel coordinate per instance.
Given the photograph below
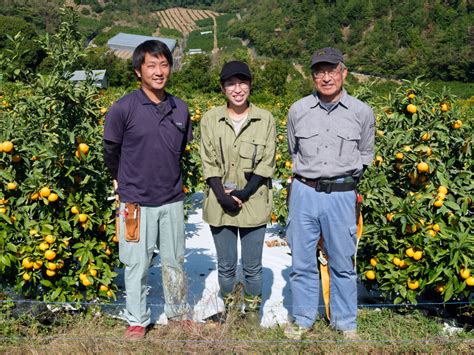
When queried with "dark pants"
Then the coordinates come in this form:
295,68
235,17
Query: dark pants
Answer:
251,239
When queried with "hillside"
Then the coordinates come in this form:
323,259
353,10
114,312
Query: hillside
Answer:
401,39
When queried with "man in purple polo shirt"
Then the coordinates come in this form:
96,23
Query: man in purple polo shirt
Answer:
145,133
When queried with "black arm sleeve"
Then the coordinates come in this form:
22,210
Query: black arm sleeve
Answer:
249,189
226,201
112,157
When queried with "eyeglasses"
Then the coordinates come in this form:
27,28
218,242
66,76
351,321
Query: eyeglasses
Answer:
319,74
232,86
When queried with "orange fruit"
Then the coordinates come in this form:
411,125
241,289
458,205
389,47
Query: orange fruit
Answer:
27,263
83,218
108,251
470,281
425,137
37,264
390,216
86,282
53,197
51,266
43,246
84,148
432,233
411,108
115,238
440,288
370,274
399,156
423,167
82,276
103,110
465,273
413,285
429,151
396,261
103,288
418,255
411,96
373,262
7,146
288,164
277,156
444,107
438,203
11,186
93,272
443,189
45,192
3,210
34,196
457,124
109,294
49,239
440,196
33,232
50,254
26,276
410,252
436,227
50,273
74,210
403,264
60,264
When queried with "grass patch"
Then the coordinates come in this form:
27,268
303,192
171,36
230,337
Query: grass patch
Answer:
170,32
383,330
196,40
205,22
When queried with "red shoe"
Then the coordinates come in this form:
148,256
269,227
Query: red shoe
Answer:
135,333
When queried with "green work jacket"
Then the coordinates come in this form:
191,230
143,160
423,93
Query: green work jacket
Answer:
229,156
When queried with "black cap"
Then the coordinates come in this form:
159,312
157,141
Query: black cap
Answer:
327,55
233,68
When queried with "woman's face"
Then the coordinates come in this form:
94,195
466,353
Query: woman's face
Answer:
237,90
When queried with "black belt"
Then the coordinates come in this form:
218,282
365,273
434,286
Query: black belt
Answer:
328,185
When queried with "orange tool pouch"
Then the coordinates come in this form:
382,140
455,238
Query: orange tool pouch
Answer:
132,222
358,206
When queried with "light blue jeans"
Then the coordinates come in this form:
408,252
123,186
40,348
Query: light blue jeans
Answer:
251,239
332,214
163,227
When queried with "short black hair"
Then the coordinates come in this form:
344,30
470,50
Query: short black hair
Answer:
153,47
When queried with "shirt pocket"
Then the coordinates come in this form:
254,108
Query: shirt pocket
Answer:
251,152
309,142
348,143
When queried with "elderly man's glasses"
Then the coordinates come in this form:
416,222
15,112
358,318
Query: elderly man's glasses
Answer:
319,74
233,86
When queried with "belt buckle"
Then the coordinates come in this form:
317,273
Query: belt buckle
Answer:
324,187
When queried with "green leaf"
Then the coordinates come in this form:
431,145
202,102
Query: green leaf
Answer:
46,283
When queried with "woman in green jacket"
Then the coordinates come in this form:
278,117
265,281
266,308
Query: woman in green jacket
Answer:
238,159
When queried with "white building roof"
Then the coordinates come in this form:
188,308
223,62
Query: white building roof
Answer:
126,41
81,75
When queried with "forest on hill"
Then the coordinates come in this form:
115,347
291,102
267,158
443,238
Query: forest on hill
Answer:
404,39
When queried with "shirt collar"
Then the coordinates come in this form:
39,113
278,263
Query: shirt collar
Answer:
223,114
343,101
168,105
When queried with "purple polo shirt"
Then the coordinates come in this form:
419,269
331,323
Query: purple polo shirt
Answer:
152,138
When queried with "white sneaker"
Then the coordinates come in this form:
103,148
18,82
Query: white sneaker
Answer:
294,331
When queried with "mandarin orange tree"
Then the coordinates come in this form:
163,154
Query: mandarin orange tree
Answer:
418,232
57,241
